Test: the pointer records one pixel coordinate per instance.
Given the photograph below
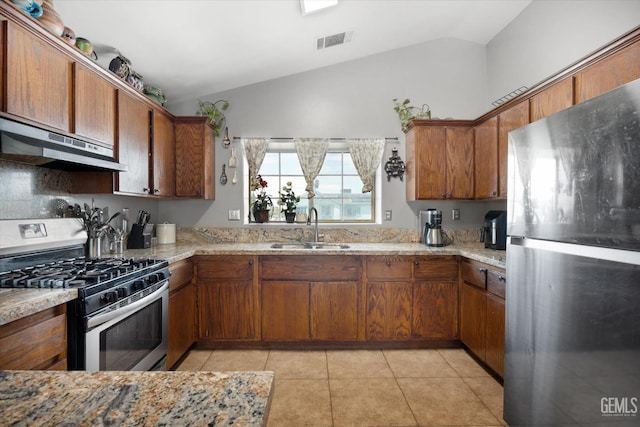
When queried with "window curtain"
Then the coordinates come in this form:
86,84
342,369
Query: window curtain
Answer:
254,151
366,154
311,154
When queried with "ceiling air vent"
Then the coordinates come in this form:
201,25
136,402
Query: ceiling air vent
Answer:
333,40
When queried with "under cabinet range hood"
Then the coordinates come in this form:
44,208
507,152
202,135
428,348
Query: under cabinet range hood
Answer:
29,144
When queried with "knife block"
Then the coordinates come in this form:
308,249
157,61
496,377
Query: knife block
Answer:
140,237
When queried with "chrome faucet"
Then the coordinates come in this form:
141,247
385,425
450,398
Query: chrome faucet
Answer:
316,238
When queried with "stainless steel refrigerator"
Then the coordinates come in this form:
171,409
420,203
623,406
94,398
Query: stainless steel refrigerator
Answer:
572,352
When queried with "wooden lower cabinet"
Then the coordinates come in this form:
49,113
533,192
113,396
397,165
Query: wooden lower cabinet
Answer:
411,297
285,311
227,298
495,329
473,305
182,311
333,314
482,312
35,342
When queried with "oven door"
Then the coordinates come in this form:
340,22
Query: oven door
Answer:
131,338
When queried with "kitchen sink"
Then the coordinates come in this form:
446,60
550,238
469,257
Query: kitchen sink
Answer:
309,245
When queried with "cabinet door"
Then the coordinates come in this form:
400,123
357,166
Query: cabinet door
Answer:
133,145
511,119
495,334
620,68
435,310
163,150
227,309
486,159
182,323
473,319
194,158
285,311
553,99
38,79
333,311
388,310
426,155
95,106
459,163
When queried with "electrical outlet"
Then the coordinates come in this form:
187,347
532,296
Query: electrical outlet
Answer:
388,214
234,215
455,214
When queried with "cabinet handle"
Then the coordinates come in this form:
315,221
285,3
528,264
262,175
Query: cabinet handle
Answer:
416,262
494,193
444,196
502,278
482,270
145,190
157,191
451,195
250,262
388,263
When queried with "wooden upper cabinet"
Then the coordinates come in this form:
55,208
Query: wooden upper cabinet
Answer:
38,79
439,161
511,119
195,158
486,159
460,168
609,73
555,98
133,145
163,152
95,106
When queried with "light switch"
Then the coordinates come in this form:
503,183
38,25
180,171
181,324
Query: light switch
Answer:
455,214
388,215
234,215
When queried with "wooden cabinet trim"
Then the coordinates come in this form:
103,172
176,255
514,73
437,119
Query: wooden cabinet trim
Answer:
181,274
310,268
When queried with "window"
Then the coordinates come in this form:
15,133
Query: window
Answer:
338,187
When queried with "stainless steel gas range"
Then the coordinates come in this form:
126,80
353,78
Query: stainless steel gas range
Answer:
119,320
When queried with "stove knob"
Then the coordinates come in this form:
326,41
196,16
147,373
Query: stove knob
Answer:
110,296
138,285
153,278
122,292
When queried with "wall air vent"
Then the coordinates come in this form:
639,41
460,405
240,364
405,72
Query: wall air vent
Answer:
333,40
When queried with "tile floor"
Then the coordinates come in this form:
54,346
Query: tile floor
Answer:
368,387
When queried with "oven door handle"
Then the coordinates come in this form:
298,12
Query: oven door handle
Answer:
103,318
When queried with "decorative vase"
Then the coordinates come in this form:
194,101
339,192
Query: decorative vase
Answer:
290,217
261,215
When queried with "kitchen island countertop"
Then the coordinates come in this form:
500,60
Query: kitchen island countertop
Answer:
47,398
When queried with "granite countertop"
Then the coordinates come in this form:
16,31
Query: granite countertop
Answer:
48,398
18,303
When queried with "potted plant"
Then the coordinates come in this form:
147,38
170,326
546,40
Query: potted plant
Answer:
288,201
407,112
261,206
215,112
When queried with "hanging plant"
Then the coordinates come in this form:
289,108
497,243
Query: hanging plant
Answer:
406,112
215,112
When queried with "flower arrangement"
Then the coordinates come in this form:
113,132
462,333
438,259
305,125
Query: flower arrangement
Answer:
288,198
262,201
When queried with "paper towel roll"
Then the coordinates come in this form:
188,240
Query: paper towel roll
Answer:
166,234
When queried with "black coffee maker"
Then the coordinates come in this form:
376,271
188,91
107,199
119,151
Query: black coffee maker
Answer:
433,228
494,231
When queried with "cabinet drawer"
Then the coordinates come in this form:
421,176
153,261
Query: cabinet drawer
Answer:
389,268
497,282
474,274
309,268
181,274
436,268
225,267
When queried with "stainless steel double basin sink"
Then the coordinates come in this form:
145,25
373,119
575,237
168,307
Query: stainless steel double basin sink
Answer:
309,245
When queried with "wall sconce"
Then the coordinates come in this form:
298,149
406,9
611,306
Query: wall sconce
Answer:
226,142
394,167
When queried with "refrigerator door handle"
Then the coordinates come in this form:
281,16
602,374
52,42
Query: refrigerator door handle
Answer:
609,254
